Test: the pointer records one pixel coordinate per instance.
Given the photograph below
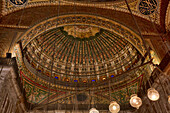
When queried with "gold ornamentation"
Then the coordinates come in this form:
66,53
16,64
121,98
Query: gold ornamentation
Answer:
81,31
83,19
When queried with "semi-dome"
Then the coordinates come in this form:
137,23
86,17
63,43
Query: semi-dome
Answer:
71,54
97,56
80,54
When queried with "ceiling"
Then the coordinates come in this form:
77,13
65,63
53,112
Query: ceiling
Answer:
87,58
76,45
75,52
19,19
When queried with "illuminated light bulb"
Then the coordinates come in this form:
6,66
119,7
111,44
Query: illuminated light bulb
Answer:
93,110
114,107
135,101
153,94
169,99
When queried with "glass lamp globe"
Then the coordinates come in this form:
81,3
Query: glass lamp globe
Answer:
169,99
135,101
93,110
153,94
114,107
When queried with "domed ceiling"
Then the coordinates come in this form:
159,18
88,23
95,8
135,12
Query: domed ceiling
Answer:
96,55
70,58
65,64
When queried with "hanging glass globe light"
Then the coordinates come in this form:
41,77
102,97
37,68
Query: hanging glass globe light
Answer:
135,101
114,107
93,110
169,99
153,94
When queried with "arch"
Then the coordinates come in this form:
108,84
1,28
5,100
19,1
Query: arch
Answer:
83,19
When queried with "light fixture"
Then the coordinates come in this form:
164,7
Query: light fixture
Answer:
104,78
153,94
135,101
169,99
93,110
114,107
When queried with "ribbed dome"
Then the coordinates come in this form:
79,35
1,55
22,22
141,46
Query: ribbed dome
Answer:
89,59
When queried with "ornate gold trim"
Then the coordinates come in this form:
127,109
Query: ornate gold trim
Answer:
84,19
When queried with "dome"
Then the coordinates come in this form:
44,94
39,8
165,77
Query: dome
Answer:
89,55
81,52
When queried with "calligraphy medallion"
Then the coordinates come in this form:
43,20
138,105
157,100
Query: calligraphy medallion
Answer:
147,7
18,2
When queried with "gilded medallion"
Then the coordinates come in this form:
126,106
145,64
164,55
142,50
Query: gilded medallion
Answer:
81,31
18,2
147,7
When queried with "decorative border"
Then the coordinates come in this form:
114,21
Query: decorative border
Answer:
84,19
119,6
